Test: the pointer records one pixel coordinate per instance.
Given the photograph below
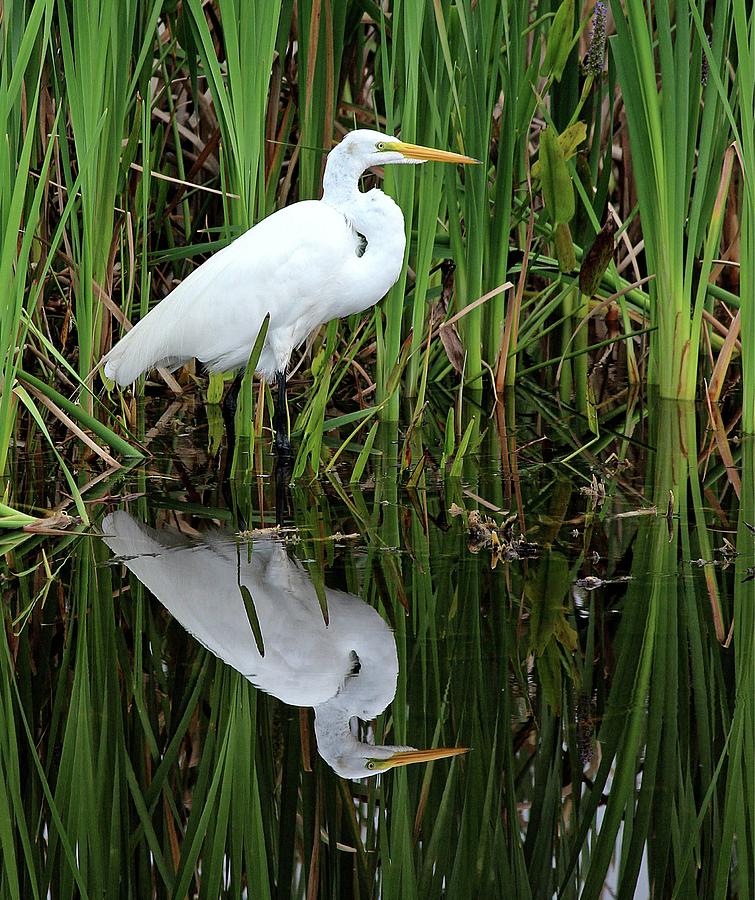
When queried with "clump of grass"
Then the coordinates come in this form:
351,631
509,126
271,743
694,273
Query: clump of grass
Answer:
676,179
21,198
105,50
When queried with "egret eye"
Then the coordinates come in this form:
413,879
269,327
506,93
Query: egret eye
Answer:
380,145
371,765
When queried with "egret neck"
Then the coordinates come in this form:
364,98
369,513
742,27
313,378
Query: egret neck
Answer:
345,753
374,216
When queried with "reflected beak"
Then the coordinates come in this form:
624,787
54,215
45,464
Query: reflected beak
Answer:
407,757
427,154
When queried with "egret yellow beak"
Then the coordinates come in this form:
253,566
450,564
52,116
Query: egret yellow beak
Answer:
407,757
415,151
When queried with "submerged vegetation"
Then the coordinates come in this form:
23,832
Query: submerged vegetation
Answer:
502,458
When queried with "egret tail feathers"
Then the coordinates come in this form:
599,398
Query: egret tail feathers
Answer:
153,342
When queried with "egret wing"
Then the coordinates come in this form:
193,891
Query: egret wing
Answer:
289,265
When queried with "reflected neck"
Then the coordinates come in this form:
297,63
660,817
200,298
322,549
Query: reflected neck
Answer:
333,732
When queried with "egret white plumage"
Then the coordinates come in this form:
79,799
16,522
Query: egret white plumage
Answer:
304,265
345,669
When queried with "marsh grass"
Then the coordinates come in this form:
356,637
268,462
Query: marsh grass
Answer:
739,104
105,48
679,177
166,131
20,199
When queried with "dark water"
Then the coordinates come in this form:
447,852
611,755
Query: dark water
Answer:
584,627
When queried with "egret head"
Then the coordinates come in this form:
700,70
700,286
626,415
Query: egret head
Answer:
337,740
367,759
372,148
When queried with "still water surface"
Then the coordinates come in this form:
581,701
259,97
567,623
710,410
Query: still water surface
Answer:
217,707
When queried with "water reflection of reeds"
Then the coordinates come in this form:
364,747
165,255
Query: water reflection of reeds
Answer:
611,730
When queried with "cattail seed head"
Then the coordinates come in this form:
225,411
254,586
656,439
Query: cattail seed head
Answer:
597,50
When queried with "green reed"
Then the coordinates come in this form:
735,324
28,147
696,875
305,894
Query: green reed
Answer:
21,199
400,63
737,815
105,51
676,176
240,94
738,101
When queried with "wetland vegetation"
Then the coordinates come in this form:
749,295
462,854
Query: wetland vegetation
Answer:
533,459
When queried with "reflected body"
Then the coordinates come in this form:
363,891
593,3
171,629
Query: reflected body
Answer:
304,265
343,670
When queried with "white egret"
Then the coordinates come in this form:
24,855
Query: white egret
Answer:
306,264
345,669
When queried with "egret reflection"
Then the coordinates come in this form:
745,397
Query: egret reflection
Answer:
345,669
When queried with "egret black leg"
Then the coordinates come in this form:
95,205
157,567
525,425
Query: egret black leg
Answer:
282,441
284,465
228,406
231,399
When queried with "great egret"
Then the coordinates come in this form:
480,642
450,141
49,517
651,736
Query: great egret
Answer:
306,264
344,669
